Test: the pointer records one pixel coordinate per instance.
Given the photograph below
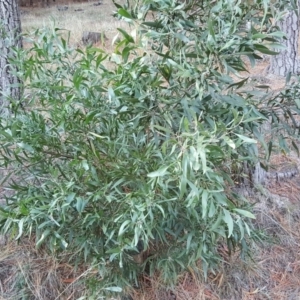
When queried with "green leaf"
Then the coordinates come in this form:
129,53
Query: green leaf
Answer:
161,209
212,209
228,44
64,244
125,53
156,25
26,147
244,213
123,227
116,4
259,36
128,37
210,25
278,34
159,173
239,84
80,204
116,58
188,241
20,226
114,289
234,100
229,142
161,128
264,49
295,147
70,197
270,148
247,229
182,186
229,221
85,165
77,79
43,237
204,203
181,37
242,231
124,13
297,101
277,46
246,139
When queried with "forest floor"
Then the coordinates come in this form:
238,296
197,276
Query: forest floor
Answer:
274,271
78,18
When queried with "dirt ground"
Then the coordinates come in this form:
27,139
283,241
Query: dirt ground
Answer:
78,18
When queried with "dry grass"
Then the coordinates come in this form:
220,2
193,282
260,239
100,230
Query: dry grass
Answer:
28,273
91,18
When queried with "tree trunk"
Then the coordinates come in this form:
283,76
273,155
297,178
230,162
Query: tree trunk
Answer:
10,29
253,176
45,3
287,60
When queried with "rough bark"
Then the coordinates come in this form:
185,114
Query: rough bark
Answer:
256,175
10,29
287,60
253,175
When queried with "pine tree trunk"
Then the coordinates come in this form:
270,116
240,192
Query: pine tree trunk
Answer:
253,176
287,60
10,29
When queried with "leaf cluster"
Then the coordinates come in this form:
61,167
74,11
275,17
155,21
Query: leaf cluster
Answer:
139,158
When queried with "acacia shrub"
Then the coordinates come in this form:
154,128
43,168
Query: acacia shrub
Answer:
108,161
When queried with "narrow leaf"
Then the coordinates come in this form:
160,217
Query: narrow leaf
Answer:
244,213
159,173
229,221
114,289
124,13
247,139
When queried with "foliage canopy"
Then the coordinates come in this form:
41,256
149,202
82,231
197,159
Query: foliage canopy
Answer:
138,150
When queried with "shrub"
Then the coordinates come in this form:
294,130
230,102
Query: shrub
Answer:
137,151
